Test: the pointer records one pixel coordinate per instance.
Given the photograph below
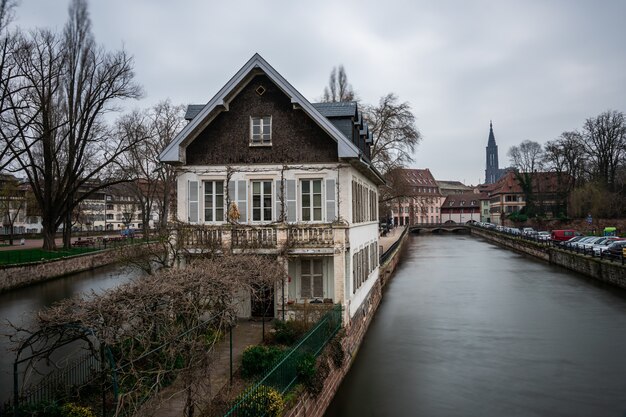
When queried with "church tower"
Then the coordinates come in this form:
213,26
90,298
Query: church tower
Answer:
492,171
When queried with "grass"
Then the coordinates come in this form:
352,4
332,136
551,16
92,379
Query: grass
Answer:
20,256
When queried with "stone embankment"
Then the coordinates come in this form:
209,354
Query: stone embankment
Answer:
601,269
21,275
308,406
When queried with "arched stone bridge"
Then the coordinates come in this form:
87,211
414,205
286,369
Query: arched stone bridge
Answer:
440,228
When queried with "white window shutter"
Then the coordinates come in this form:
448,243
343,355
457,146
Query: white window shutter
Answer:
291,200
279,201
331,210
192,198
242,201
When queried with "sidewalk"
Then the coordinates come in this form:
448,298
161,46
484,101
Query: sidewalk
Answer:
245,334
386,241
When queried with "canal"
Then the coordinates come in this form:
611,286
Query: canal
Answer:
466,328
20,306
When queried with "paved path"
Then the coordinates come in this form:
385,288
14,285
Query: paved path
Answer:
245,334
390,239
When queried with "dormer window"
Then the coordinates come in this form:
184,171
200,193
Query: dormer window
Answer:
261,131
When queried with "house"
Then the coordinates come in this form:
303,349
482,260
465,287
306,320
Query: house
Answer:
263,170
419,198
113,208
461,208
453,187
547,192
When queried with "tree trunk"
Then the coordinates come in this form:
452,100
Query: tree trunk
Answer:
67,230
48,232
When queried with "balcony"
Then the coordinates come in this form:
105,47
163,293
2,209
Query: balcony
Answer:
310,237
274,237
253,238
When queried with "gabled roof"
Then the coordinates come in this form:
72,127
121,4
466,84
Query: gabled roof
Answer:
462,200
175,151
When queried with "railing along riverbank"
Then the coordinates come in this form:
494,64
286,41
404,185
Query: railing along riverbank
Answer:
599,268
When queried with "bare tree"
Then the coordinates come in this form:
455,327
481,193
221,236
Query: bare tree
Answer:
605,143
338,89
527,157
395,133
155,183
8,75
566,155
63,142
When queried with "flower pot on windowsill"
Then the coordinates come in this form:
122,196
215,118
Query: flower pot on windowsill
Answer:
328,300
290,302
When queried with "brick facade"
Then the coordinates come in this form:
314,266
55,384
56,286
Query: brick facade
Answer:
296,138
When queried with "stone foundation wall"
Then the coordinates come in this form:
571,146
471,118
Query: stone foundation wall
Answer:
15,276
308,406
603,270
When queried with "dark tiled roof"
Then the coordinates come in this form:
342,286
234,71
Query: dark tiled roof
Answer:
462,200
193,110
340,109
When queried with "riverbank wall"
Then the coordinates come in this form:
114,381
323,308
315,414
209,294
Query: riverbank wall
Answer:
22,275
351,338
603,270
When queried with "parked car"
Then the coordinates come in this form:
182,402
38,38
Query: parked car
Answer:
615,249
573,242
602,246
590,242
543,235
562,235
529,231
579,243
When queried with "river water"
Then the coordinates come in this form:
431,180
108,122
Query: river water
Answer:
470,329
19,307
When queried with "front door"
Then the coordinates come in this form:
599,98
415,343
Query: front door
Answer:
263,301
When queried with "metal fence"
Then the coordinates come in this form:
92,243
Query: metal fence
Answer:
59,383
284,374
383,257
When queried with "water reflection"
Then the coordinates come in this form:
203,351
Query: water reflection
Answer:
469,329
19,307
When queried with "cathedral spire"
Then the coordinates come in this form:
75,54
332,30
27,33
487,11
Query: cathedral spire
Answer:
492,138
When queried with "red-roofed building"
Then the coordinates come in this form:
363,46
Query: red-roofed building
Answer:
421,201
461,208
507,196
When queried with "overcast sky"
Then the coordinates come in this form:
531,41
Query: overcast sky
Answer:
536,68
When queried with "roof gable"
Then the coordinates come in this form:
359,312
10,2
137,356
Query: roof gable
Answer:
174,152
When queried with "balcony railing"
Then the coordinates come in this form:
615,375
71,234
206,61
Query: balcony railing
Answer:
310,236
262,237
200,236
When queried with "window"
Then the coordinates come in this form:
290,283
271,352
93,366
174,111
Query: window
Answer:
261,130
312,280
311,198
213,201
261,201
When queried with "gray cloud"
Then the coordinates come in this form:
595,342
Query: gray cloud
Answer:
536,68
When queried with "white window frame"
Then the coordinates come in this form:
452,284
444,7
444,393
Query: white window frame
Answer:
262,206
259,138
213,204
311,207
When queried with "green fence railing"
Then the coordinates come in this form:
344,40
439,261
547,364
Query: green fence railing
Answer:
253,402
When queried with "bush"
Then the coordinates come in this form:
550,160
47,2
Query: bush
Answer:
258,359
265,401
288,332
75,410
313,373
